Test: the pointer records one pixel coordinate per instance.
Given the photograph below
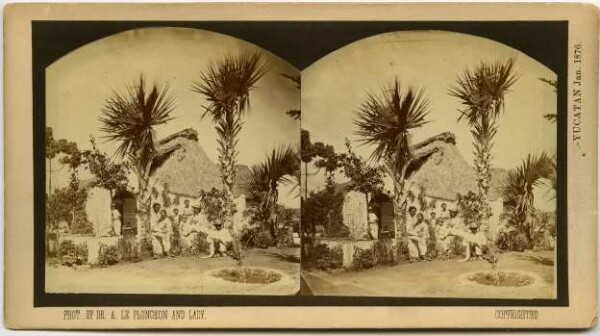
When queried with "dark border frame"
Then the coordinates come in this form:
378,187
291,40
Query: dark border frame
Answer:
545,41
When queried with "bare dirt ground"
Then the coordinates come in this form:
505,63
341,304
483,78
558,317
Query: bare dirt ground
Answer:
447,278
180,275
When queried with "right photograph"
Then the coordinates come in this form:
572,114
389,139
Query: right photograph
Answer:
429,170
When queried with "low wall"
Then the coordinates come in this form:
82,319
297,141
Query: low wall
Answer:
91,241
347,246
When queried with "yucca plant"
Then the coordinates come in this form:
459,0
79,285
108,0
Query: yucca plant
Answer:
482,93
517,192
385,120
279,167
129,118
226,86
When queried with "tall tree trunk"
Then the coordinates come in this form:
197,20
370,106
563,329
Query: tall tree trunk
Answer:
483,146
228,129
144,239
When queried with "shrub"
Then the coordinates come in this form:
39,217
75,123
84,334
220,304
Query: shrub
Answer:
108,255
513,241
363,258
456,246
127,248
199,245
386,253
322,257
72,254
325,208
66,247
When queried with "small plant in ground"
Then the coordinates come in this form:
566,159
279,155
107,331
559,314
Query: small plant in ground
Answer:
108,255
323,257
199,245
71,254
385,252
363,259
502,279
248,275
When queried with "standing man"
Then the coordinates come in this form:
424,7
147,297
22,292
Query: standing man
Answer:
115,230
373,226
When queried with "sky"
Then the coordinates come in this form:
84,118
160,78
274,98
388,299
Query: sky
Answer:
78,85
334,87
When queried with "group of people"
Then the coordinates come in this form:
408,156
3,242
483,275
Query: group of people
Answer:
174,228
433,234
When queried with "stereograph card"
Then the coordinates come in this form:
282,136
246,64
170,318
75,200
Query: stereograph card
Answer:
300,166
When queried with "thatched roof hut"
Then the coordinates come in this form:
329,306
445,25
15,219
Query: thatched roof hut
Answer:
443,172
183,165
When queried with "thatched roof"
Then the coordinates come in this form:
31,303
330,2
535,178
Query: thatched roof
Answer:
443,171
183,165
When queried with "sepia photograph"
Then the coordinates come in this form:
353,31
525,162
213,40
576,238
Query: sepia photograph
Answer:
300,166
429,170
172,167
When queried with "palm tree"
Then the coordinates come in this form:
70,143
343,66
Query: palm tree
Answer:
385,121
226,86
482,93
280,167
517,193
129,118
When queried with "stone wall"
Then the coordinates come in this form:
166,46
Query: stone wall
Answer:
91,241
348,247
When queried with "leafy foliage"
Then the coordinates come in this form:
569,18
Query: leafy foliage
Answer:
363,177
470,206
215,205
264,179
323,257
71,254
108,255
325,208
109,175
68,205
363,259
517,192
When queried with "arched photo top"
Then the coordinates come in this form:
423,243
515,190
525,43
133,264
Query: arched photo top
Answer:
335,87
79,84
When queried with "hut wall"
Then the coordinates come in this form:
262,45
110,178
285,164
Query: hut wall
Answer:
98,210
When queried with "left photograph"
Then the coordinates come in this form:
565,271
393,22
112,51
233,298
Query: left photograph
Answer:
172,167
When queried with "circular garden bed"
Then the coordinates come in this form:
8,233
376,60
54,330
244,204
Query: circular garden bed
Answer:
502,279
249,275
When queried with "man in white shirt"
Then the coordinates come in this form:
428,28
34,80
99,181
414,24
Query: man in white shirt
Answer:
161,234
116,221
418,235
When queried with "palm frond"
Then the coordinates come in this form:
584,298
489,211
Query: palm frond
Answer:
279,167
386,119
130,117
481,90
226,85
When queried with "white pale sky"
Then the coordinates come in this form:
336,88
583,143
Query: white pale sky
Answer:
78,84
334,87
